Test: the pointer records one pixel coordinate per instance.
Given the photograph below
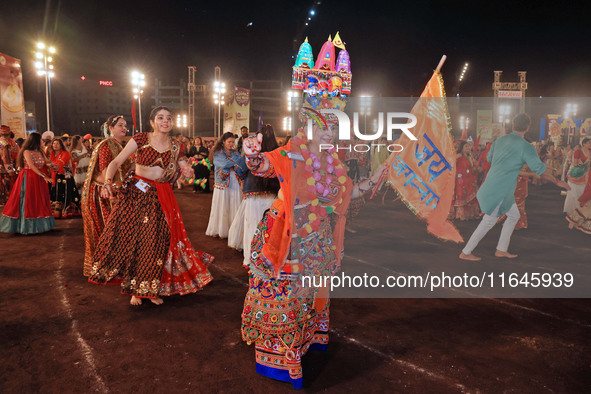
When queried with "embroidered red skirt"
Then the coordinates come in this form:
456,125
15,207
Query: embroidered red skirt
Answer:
95,213
145,247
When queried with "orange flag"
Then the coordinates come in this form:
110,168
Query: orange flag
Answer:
424,172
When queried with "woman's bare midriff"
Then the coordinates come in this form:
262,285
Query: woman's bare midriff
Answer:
152,173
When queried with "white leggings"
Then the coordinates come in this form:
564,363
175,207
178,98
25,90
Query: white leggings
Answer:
488,222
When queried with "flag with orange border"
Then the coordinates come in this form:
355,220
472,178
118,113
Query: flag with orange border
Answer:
424,172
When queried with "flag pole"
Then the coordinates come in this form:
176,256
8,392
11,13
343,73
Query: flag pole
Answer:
438,69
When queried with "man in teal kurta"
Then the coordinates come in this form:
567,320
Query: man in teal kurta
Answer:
496,196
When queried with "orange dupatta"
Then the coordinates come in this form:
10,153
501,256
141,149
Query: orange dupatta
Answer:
276,249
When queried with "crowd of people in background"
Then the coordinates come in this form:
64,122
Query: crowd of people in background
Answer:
565,161
69,158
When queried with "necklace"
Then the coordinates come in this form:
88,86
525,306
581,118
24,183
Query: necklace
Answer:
319,183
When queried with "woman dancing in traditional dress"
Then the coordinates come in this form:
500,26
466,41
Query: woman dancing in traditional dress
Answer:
257,196
144,245
521,192
227,195
283,319
28,209
465,205
95,209
64,194
578,175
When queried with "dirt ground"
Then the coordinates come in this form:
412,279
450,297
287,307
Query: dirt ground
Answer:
59,333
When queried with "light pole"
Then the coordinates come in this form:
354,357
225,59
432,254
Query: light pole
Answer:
504,112
181,121
287,125
219,89
365,110
138,82
291,94
570,111
44,67
462,75
464,124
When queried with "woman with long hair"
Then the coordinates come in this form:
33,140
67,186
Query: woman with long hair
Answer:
28,209
95,209
258,195
64,194
199,155
230,169
80,160
144,245
465,205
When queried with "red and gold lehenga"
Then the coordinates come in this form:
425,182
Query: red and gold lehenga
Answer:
28,209
302,234
521,193
144,245
465,205
96,210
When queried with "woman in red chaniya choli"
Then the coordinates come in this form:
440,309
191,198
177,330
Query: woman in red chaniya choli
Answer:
95,209
144,245
465,205
521,192
64,193
28,209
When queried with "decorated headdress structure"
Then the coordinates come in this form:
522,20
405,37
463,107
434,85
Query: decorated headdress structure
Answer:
325,83
329,76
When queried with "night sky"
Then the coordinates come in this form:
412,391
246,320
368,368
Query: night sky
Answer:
394,46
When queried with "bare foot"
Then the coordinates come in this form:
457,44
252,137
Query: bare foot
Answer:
571,225
508,255
469,257
135,301
157,301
